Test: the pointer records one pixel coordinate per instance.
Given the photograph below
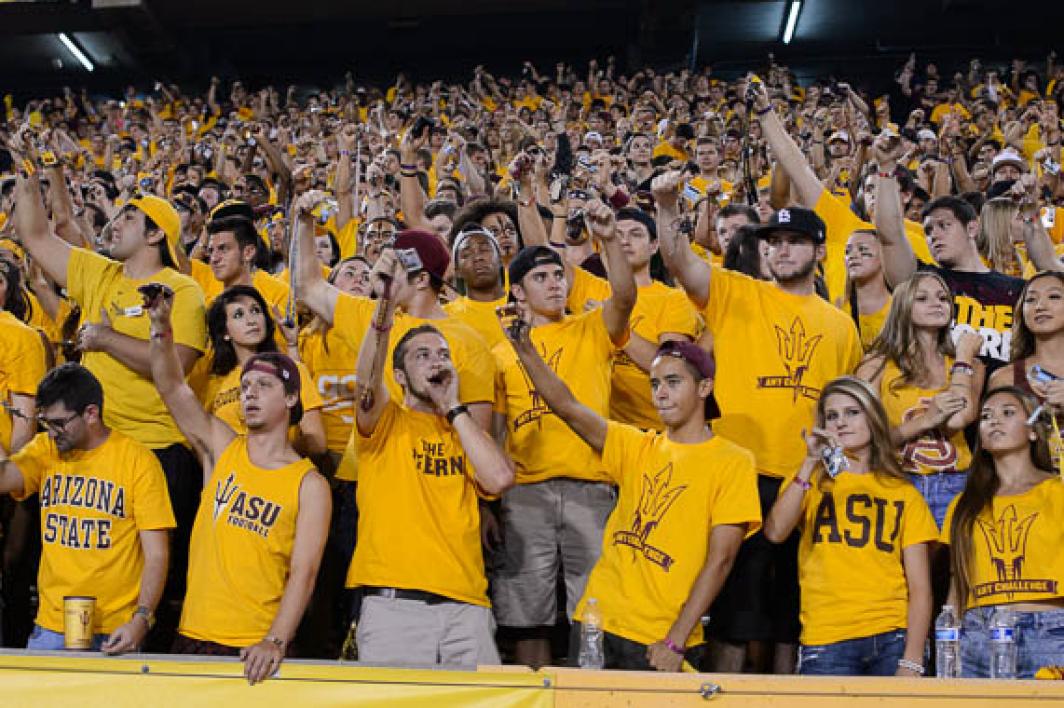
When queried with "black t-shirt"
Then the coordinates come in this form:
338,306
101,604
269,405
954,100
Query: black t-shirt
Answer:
983,303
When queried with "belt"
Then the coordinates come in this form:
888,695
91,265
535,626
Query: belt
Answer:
429,598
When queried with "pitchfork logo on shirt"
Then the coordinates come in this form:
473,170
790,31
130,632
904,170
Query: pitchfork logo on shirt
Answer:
539,407
796,349
1006,543
654,502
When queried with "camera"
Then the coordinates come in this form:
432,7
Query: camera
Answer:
410,259
574,224
421,126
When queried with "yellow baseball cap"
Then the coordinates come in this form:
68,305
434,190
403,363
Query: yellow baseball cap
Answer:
165,217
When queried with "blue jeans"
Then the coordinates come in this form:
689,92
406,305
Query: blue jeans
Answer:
939,489
43,639
1039,641
867,656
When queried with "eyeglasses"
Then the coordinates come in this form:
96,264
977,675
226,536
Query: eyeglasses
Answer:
56,425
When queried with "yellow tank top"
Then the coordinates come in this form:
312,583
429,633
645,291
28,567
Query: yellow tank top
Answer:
932,452
241,547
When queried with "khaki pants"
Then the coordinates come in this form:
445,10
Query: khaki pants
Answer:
399,632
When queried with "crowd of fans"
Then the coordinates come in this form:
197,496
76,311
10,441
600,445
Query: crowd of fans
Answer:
751,374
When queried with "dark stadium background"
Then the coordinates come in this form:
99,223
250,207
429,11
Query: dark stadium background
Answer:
280,42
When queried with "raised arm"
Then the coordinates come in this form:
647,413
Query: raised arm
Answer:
787,511
371,394
311,288
589,425
207,434
411,196
899,262
692,272
617,309
788,155
33,230
1039,246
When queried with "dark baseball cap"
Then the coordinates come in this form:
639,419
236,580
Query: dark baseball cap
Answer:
430,249
532,257
281,366
797,219
702,362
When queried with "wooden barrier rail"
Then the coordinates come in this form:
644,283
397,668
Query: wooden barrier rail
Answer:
36,680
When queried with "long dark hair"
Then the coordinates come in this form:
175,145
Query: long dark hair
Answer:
982,485
16,301
1023,341
217,320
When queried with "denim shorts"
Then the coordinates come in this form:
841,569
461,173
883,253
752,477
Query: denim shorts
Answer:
1039,641
939,489
876,655
42,639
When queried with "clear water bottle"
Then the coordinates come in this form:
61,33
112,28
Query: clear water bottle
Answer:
1003,644
947,644
591,656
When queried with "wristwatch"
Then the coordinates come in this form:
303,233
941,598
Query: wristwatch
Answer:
455,412
146,613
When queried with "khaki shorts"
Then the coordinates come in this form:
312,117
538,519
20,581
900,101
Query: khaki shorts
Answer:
547,526
400,632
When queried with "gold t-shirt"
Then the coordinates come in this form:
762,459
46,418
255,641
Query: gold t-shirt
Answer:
1016,547
133,405
418,522
472,359
22,366
853,531
542,446
480,316
775,352
331,362
671,497
932,452
94,504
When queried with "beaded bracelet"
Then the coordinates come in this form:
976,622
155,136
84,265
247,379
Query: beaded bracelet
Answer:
672,646
911,666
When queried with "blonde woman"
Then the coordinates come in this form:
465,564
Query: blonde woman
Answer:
863,561
928,387
1000,238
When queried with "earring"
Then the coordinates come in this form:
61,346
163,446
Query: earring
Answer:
225,337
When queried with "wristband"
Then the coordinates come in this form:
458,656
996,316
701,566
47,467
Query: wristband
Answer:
672,646
276,641
345,153
407,173
408,168
455,412
162,335
763,111
382,330
913,666
804,484
887,175
962,367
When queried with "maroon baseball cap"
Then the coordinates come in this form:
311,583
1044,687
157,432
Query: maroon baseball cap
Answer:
430,249
281,366
702,361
